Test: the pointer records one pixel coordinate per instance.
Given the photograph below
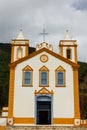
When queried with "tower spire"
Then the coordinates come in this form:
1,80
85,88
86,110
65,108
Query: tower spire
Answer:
20,35
67,35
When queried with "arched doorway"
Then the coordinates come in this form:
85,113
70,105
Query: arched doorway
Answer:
43,109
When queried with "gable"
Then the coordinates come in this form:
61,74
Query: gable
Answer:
74,65
60,68
44,91
27,68
43,68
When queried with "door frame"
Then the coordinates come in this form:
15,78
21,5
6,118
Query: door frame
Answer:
44,97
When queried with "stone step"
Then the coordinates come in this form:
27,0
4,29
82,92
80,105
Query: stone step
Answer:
45,128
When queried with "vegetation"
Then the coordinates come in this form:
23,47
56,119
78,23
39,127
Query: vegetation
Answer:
83,89
5,52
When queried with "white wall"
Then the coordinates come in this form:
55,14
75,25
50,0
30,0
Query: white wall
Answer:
24,98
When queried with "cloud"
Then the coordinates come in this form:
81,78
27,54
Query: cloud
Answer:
56,16
80,5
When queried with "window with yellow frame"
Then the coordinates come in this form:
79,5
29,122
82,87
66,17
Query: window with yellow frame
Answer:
60,77
27,76
44,77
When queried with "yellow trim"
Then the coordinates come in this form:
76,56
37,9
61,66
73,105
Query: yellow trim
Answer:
75,52
27,68
14,43
13,40
74,45
4,110
44,91
3,116
44,58
11,93
61,50
23,120
63,121
60,69
67,45
74,65
2,127
19,48
26,51
74,41
45,69
12,54
76,94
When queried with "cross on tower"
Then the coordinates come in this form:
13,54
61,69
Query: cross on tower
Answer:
44,34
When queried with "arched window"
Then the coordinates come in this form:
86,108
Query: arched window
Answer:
19,52
27,76
60,77
44,76
68,53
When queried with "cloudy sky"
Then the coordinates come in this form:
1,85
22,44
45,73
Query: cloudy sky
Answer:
56,16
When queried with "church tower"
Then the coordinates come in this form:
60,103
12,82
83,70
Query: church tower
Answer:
19,47
68,48
43,86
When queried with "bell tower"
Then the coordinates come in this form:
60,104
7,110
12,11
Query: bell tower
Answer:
68,48
19,47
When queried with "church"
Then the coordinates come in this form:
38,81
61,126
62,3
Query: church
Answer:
43,85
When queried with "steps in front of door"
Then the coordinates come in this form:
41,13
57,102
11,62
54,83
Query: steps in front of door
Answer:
45,128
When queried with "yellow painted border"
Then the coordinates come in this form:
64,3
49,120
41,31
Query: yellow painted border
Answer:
42,59
63,121
76,94
61,45
61,50
32,120
44,91
60,69
27,68
12,54
74,65
75,51
11,93
13,44
44,68
23,120
2,127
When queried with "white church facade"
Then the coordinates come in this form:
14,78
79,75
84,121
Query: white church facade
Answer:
43,85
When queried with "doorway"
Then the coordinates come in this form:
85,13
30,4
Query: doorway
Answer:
44,111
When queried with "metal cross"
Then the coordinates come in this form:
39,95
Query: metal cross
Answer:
67,30
44,34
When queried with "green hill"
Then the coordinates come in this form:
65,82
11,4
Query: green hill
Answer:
5,52
83,89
